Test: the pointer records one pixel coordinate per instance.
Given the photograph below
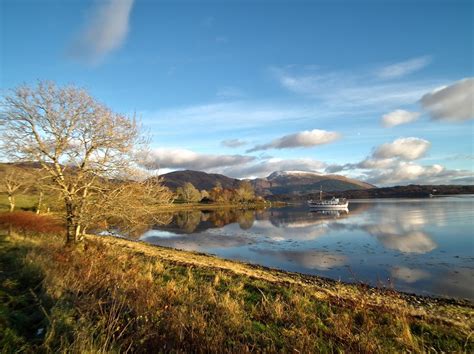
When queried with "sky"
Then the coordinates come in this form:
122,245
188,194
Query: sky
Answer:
381,91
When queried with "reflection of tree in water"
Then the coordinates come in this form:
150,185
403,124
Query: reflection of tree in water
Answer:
198,221
223,217
160,219
245,219
188,221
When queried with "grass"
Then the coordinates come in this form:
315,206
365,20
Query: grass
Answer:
114,295
22,201
28,202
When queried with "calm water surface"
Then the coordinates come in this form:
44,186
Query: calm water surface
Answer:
424,246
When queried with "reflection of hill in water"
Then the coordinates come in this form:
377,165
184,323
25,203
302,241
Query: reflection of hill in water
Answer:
395,227
197,221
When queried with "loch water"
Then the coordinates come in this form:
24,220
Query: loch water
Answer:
422,246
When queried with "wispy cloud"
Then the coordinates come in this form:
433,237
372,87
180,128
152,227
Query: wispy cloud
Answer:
403,68
232,115
104,31
307,138
453,103
399,117
356,90
233,143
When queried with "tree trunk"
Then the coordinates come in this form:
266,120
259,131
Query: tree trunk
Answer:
11,200
40,202
73,222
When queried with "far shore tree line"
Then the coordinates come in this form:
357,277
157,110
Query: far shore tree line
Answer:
90,162
243,193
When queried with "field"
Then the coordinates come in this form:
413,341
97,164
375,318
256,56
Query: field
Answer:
112,295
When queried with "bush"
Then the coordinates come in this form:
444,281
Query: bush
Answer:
28,223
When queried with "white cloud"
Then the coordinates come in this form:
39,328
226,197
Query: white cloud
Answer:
392,164
398,117
237,166
187,159
403,148
265,167
104,31
408,172
403,68
233,143
307,138
451,103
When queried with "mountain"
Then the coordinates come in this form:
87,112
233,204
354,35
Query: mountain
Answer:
200,180
281,182
301,182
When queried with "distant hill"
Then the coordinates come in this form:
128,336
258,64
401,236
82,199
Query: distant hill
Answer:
200,180
282,182
298,182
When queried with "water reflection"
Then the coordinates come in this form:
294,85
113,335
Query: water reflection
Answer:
423,246
409,275
403,241
311,259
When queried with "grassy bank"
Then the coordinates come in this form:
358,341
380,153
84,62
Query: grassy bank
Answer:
29,202
117,295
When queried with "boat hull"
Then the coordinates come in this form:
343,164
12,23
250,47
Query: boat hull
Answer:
317,206
328,207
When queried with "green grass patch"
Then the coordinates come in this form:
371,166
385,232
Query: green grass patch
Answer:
25,202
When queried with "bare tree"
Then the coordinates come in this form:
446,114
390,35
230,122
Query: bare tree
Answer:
13,181
130,206
78,141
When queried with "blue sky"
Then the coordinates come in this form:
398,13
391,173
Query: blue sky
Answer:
248,87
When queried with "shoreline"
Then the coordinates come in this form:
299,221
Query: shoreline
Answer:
113,294
194,258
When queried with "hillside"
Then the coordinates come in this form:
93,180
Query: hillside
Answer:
281,182
200,180
297,182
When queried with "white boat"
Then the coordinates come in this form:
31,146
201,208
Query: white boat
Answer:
331,204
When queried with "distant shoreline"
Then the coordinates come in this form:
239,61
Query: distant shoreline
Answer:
411,191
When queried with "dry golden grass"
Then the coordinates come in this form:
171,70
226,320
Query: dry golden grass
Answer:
118,295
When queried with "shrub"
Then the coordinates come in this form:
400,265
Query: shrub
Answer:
28,223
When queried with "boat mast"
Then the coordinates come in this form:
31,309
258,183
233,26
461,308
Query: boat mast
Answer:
320,193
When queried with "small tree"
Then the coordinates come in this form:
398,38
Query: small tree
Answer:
13,181
188,193
245,192
78,141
